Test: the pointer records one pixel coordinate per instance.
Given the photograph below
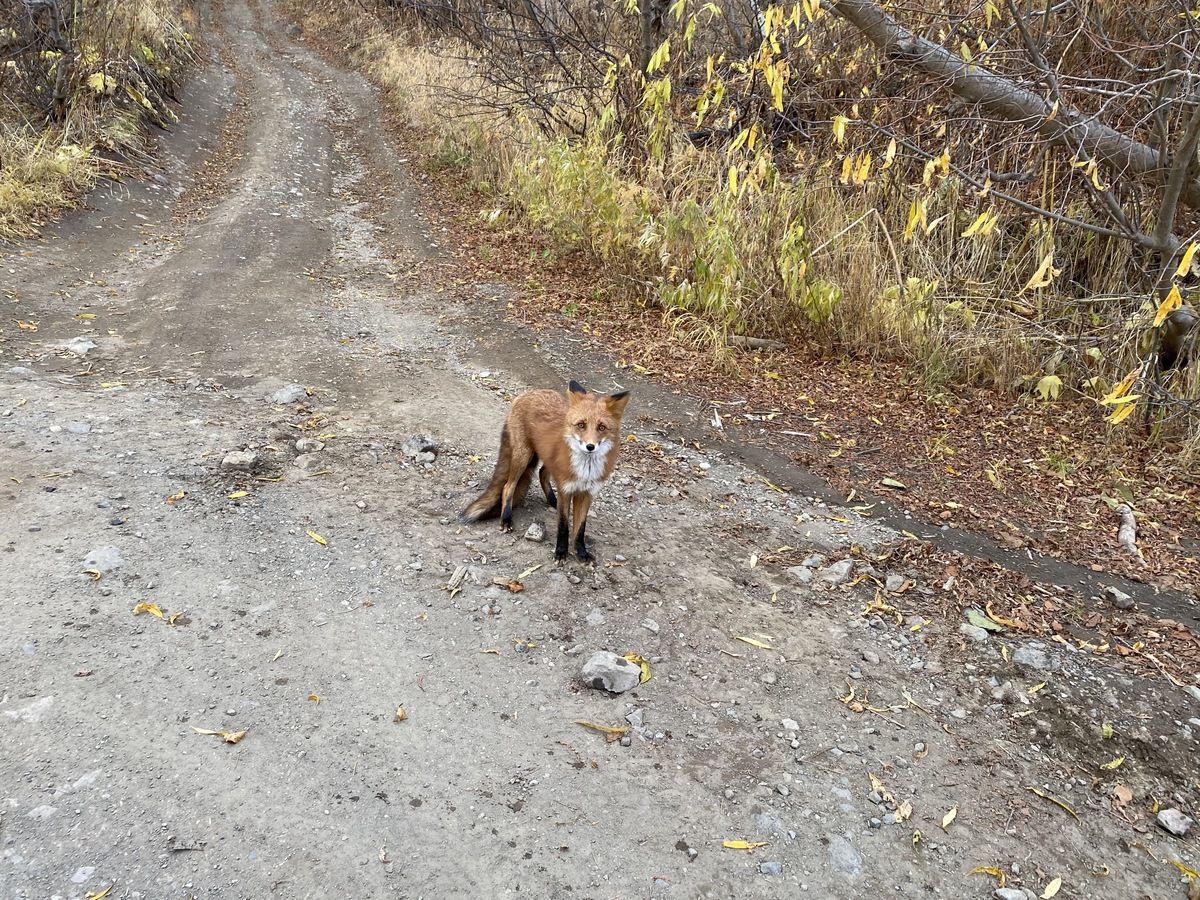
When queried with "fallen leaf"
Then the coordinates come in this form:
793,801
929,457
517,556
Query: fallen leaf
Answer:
314,698
491,650
904,811
743,845
643,663
753,643
1037,687
949,817
893,484
238,495
1122,794
1059,803
229,737
93,574
1052,889
401,714
152,608
611,732
529,572
979,620
916,838
316,537
175,498
1113,764
278,653
103,893
1186,871
511,584
998,874
175,617
27,326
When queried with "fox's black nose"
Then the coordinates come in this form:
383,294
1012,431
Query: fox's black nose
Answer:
591,447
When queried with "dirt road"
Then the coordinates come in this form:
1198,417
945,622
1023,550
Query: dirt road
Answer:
303,603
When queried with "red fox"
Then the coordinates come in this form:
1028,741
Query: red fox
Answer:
576,439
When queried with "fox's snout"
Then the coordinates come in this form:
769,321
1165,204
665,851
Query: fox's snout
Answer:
590,448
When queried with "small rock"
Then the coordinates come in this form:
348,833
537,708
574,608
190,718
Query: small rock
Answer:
770,867
692,853
635,719
104,560
800,574
20,371
419,443
425,456
595,616
1174,821
1119,598
959,713
535,532
79,427
626,741
875,797
974,632
1031,657
309,445
1193,691
80,346
783,790
729,794
894,583
607,671
240,461
790,725
1007,893
650,625
292,393
307,462
813,560
870,656
768,678
836,574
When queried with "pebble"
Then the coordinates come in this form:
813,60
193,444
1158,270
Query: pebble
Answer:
770,867
729,795
292,393
418,444
240,461
1174,821
20,371
836,574
870,656
1007,893
1032,657
843,857
596,616
309,445
768,678
650,625
790,725
1193,690
894,583
626,741
425,457
1119,598
535,532
783,790
800,574
607,671
80,346
974,632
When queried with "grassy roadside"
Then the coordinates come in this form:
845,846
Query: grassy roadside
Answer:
82,89
970,455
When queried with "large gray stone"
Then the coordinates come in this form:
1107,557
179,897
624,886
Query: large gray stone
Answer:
836,574
1033,657
240,461
844,857
292,393
1174,821
104,560
607,671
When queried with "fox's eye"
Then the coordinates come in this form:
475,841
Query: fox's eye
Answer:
581,425
602,427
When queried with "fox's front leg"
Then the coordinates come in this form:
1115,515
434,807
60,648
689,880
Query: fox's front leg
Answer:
564,526
583,502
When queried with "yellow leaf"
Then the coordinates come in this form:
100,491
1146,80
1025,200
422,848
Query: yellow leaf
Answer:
175,617
743,845
917,215
1037,687
983,225
101,83
238,495
229,737
27,326
890,155
1185,264
1114,764
612,731
1186,871
401,714
863,170
733,180
175,498
753,643
316,537
839,128
643,663
1120,415
314,698
1171,303
1059,803
949,817
1045,274
998,874
152,608
1052,889
103,893
916,838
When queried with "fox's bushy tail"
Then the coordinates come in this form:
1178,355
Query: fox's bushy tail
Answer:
487,504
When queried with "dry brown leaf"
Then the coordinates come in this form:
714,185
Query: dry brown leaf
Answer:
510,583
753,643
229,737
611,732
401,714
175,498
153,608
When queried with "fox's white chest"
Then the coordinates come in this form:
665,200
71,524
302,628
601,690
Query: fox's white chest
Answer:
587,467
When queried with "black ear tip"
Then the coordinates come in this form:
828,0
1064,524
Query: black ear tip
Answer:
576,388
619,395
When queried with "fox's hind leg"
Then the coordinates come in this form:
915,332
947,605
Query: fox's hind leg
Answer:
548,488
518,481
524,482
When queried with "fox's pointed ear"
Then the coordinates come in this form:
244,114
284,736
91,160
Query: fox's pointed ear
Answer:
575,387
617,402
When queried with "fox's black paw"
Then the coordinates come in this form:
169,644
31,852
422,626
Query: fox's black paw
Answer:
585,555
552,500
506,526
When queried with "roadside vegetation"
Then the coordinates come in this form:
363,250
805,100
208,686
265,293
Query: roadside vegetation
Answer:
80,85
997,193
